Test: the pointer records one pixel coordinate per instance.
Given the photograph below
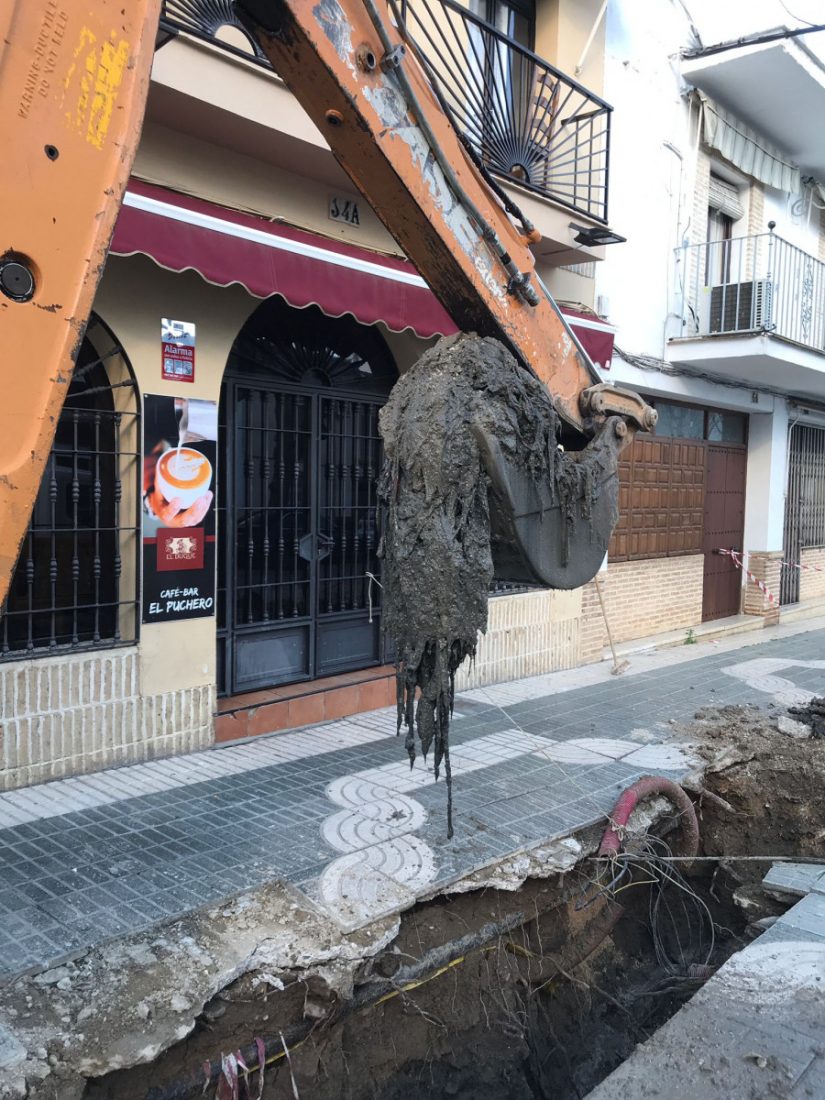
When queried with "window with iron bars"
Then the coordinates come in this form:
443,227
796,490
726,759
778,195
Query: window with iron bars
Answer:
75,584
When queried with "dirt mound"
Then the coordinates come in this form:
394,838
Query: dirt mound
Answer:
773,782
812,715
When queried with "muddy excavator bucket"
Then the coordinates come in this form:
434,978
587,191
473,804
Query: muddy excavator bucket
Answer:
540,537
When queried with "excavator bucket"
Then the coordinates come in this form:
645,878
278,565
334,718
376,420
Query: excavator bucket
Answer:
74,77
537,538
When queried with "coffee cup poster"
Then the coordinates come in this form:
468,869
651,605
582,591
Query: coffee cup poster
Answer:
179,456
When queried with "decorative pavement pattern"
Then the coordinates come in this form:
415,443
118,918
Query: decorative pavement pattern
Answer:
336,811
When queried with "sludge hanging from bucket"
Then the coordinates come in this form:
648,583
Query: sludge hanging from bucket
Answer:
437,560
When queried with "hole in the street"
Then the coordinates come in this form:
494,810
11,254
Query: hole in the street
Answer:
529,994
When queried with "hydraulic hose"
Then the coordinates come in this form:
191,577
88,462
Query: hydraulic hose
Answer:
643,788
519,281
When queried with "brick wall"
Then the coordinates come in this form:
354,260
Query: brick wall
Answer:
70,714
766,566
812,585
701,190
527,635
756,211
642,598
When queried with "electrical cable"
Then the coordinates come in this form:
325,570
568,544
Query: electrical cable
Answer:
798,18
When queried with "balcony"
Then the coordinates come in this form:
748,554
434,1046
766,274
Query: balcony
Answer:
753,309
776,87
527,122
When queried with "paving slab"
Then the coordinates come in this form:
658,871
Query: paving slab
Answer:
336,811
795,879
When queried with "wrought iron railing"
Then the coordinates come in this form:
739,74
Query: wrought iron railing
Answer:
207,19
760,283
527,121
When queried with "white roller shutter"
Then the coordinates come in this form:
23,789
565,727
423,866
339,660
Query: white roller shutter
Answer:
724,197
745,149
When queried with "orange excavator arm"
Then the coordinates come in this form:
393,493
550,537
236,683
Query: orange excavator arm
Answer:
365,87
74,77
74,80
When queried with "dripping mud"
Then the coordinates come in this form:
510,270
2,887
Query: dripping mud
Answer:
437,548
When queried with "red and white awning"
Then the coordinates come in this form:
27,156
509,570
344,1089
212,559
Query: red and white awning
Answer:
224,246
595,336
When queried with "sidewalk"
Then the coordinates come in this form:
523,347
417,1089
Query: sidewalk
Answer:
335,811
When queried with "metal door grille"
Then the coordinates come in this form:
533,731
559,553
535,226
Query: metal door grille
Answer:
75,584
804,503
300,459
273,505
350,461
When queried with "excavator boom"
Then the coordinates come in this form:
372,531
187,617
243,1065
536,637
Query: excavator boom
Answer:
366,89
74,77
74,80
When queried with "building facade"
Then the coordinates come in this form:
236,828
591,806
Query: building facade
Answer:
254,314
719,305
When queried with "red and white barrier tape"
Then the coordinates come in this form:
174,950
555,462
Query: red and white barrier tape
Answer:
763,588
799,565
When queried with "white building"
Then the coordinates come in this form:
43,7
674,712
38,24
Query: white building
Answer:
718,298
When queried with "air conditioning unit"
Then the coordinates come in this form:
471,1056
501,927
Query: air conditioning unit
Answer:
741,307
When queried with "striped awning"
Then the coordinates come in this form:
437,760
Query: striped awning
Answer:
745,149
225,246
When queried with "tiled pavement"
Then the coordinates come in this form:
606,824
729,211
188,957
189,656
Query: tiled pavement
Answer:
336,811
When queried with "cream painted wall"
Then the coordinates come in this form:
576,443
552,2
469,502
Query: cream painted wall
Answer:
202,71
177,655
562,30
133,297
569,286
196,167
406,348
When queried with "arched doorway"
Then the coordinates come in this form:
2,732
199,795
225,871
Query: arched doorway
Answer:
299,464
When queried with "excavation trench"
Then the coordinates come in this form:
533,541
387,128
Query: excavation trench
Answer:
537,992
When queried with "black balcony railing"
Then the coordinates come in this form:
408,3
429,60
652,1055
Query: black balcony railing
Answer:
524,119
206,19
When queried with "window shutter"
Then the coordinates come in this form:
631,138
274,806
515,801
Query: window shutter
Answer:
724,197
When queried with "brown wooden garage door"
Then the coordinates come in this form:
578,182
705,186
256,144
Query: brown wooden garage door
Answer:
661,499
723,528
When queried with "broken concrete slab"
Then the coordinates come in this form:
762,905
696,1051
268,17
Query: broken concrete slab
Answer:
795,879
123,1003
